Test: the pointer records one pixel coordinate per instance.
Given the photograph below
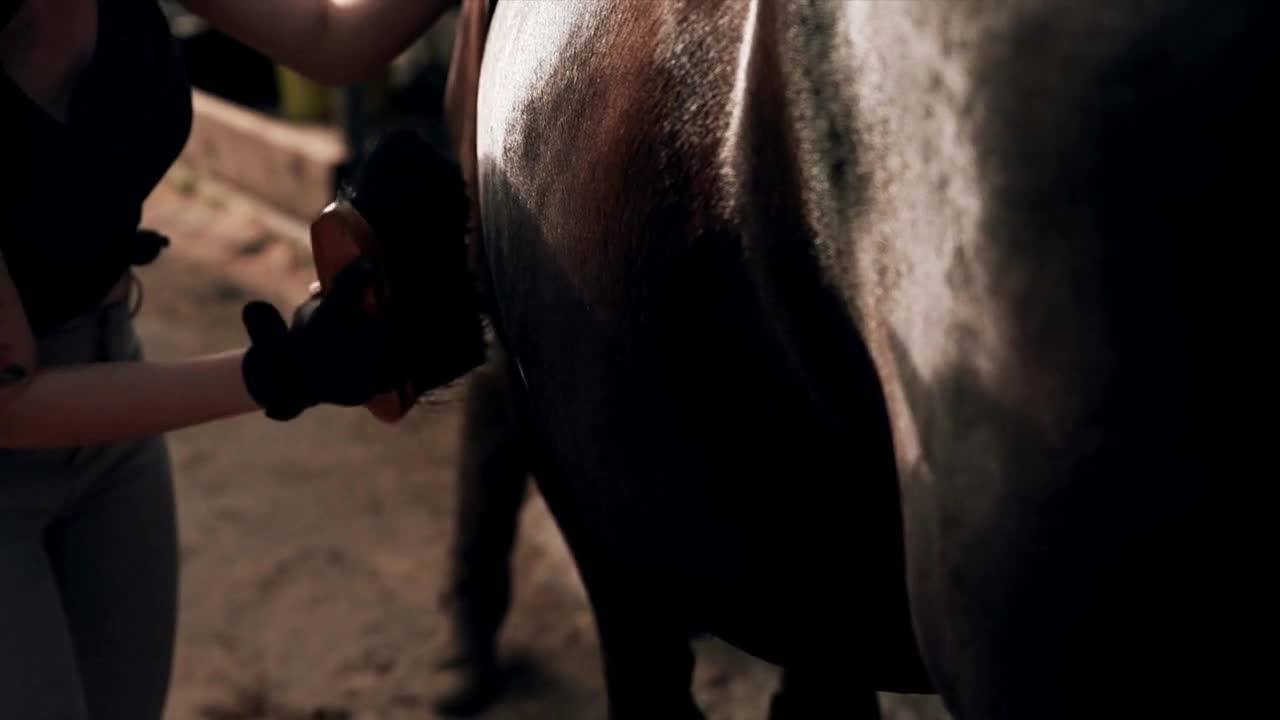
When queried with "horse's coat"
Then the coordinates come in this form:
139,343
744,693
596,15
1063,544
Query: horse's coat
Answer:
806,294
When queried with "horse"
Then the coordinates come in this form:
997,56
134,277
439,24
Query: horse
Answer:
894,343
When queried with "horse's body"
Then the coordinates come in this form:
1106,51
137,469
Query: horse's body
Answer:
777,277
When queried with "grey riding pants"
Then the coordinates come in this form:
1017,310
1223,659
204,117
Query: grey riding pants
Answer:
88,561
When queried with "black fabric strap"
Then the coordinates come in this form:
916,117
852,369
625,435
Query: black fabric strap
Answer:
146,247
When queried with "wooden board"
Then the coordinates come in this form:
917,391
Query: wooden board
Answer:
290,166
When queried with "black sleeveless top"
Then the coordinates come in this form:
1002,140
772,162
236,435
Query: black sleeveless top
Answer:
71,195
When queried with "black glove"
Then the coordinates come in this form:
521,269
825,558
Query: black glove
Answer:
336,352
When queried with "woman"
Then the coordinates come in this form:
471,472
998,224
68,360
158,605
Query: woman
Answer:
95,108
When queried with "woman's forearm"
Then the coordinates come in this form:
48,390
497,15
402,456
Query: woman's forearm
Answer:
331,41
103,402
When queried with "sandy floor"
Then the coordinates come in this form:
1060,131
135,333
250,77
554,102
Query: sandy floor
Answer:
313,551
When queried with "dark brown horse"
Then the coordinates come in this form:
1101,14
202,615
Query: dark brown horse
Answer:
849,328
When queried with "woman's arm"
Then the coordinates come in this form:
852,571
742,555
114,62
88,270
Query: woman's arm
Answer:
84,404
334,353
104,402
330,41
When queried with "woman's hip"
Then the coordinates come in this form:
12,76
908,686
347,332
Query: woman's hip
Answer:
43,483
104,334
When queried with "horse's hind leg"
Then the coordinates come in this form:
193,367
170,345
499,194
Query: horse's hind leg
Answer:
492,478
648,661
805,694
648,671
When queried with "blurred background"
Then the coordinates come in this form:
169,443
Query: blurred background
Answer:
314,552
330,126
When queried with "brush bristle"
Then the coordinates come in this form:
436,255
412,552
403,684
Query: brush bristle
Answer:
414,199
406,186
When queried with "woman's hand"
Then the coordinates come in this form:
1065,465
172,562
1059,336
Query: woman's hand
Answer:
330,41
17,347
336,352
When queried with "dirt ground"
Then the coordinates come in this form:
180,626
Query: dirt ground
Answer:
313,552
